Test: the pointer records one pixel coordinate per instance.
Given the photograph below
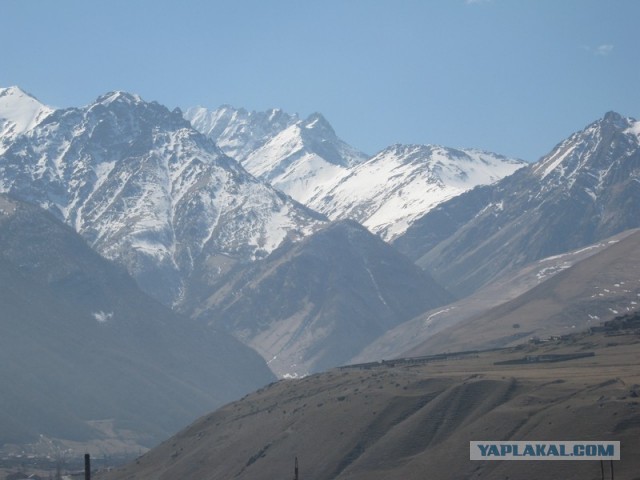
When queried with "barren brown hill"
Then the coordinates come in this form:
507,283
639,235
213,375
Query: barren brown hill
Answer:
408,335
415,421
593,290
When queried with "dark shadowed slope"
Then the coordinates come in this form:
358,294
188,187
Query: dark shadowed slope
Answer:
80,342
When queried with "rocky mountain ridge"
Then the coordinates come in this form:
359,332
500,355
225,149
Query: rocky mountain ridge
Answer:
307,160
585,190
148,191
313,304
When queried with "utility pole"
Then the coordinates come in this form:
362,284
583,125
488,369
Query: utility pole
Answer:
87,466
602,469
295,471
611,463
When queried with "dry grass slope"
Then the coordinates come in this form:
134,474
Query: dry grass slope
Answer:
595,289
416,421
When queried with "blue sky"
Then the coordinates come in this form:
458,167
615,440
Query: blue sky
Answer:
514,77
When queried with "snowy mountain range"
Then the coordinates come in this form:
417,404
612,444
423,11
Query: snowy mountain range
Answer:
165,200
237,131
403,182
147,190
585,190
307,160
150,192
254,224
297,156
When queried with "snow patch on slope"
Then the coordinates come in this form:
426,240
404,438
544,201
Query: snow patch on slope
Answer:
634,129
102,317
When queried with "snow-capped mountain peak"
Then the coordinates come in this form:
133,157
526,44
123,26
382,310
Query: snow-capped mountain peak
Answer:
296,156
403,182
119,96
237,131
303,158
586,189
569,158
19,112
317,122
308,161
147,190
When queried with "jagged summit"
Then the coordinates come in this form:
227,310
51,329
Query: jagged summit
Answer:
582,150
612,116
13,91
128,115
19,112
119,96
586,189
403,182
316,121
149,191
237,131
296,156
307,160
